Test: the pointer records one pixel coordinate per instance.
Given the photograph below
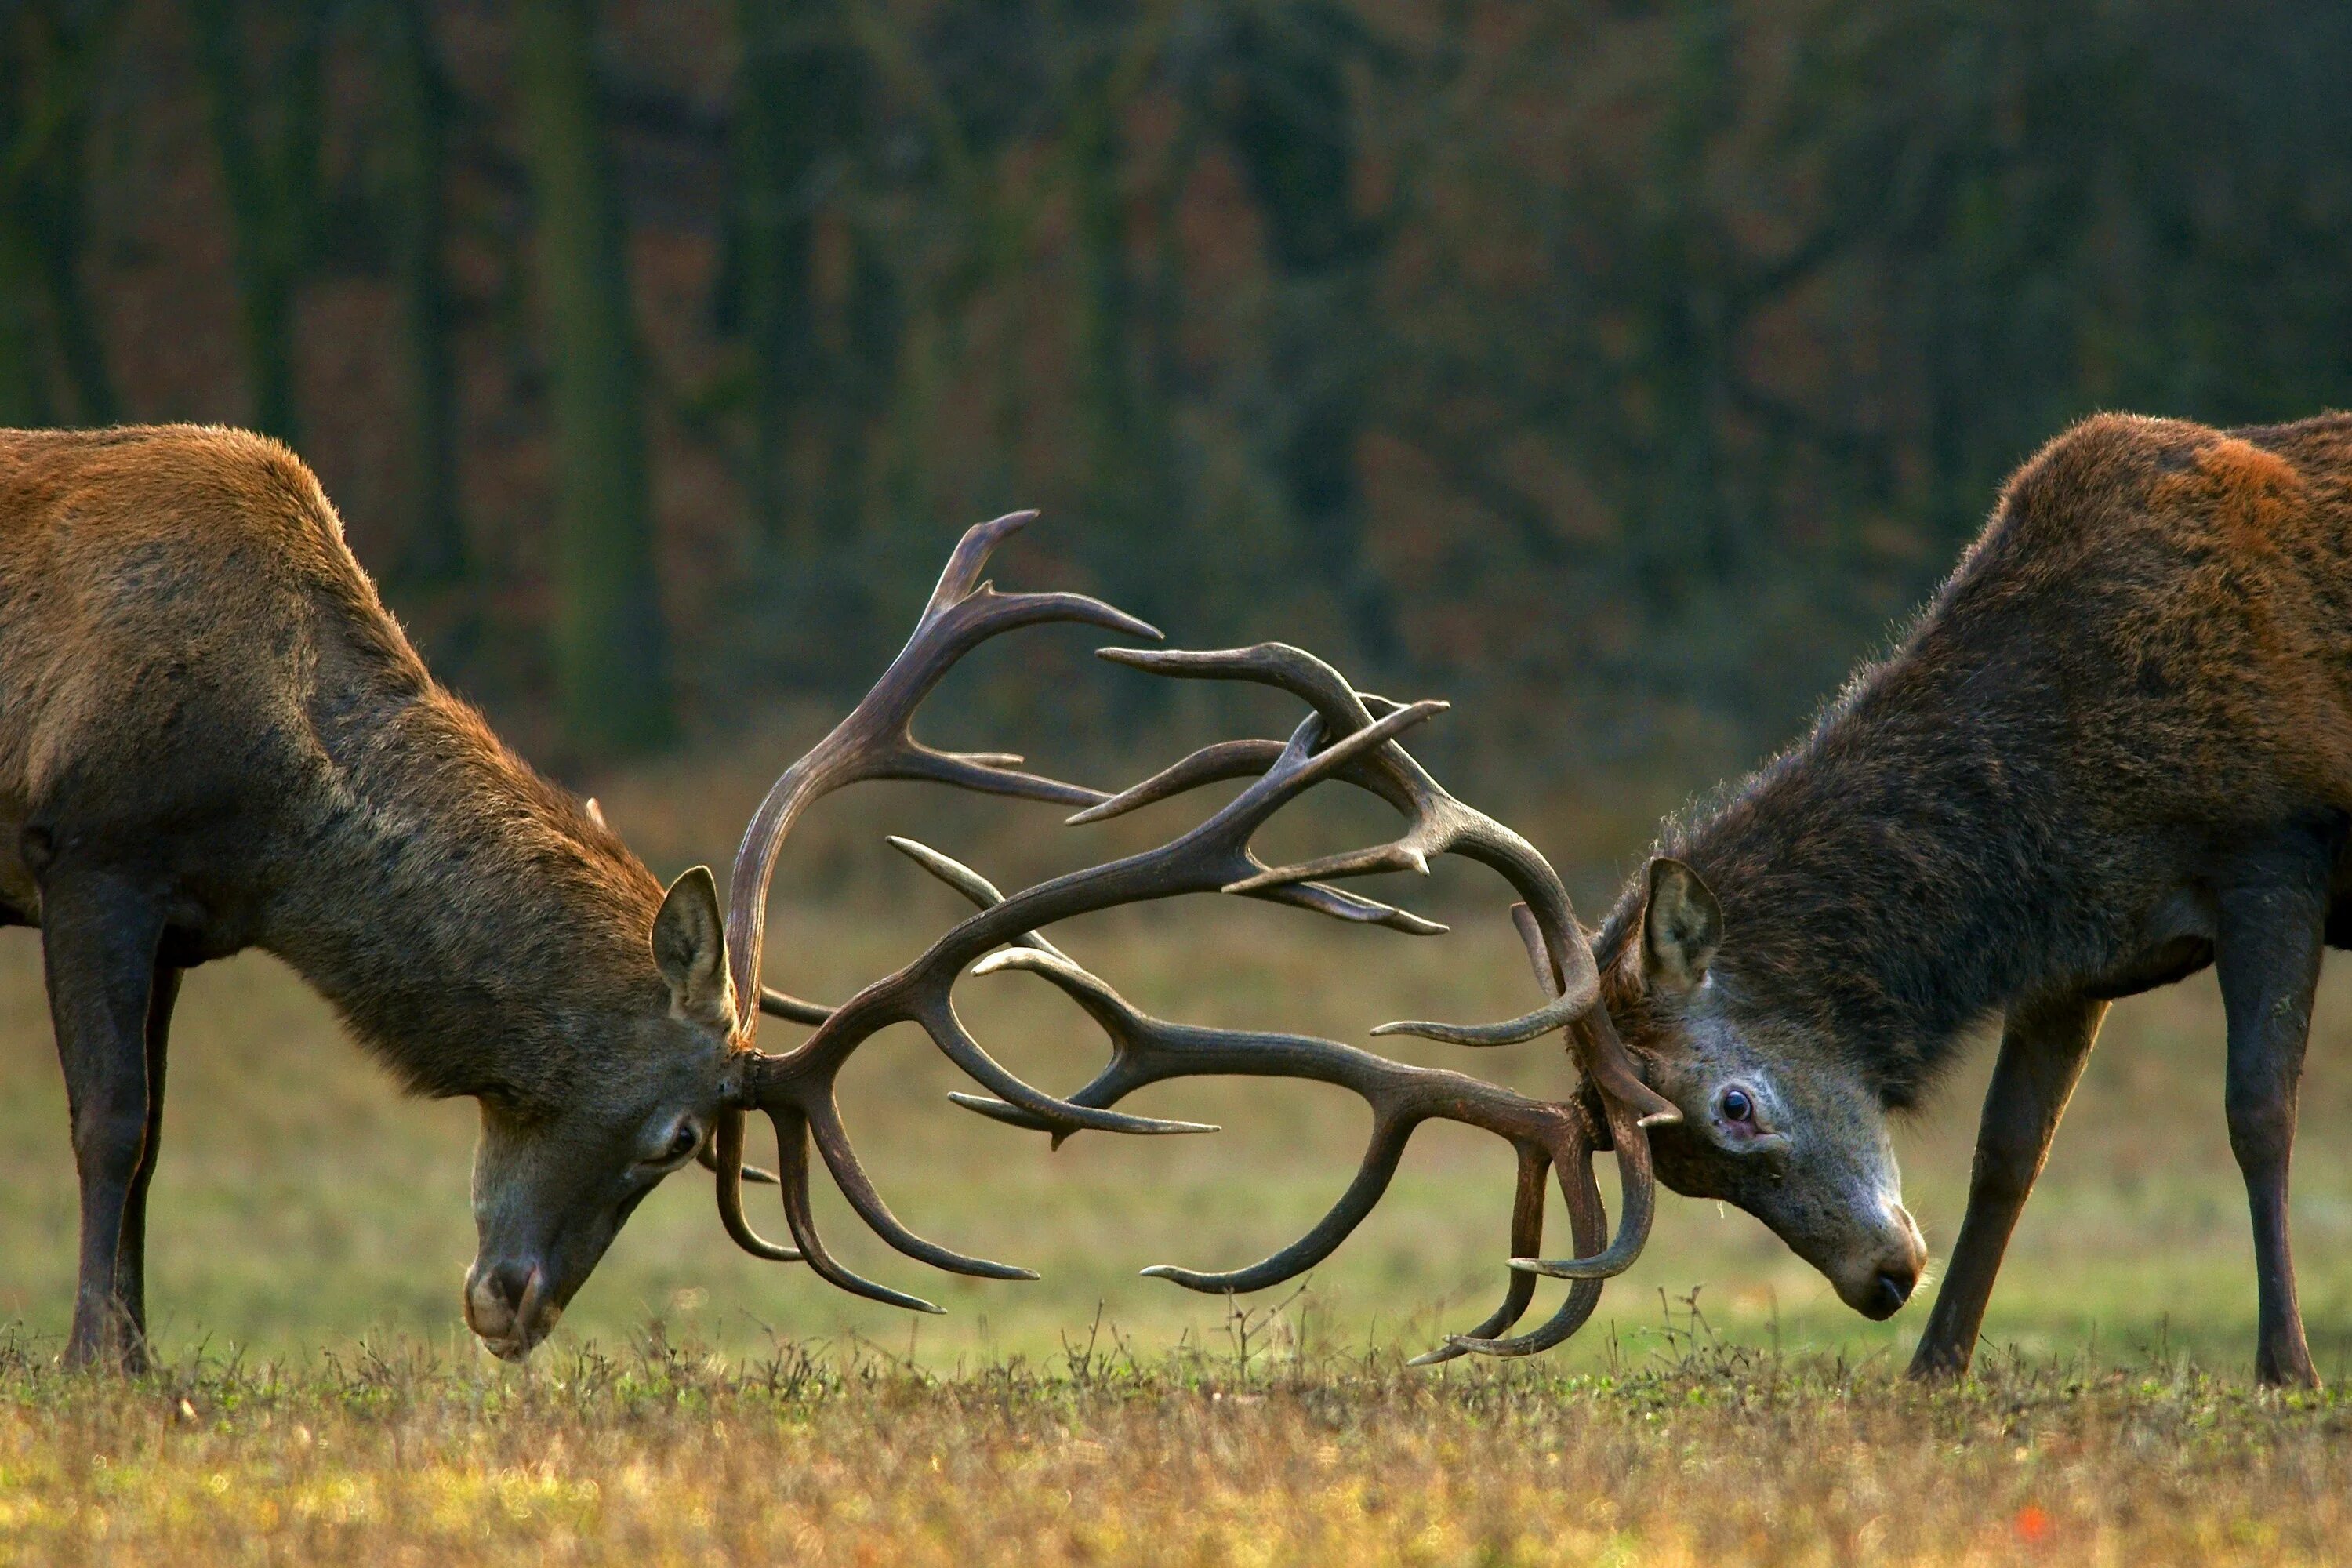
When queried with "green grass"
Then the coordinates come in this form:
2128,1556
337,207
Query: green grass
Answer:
302,1202
320,1402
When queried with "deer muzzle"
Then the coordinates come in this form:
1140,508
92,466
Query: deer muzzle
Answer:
1877,1282
509,1306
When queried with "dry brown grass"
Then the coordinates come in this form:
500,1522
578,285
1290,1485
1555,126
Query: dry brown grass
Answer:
1711,1456
305,1212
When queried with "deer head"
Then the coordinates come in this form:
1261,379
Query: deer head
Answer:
1776,1118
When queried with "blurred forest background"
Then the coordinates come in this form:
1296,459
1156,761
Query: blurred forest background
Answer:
1621,370
1624,371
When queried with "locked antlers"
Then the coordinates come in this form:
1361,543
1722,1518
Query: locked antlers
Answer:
1348,736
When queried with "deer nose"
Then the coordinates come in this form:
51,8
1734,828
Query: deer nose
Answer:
1889,1289
507,1306
507,1283
1897,1271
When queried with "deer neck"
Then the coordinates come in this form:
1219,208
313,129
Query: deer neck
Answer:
456,908
1894,884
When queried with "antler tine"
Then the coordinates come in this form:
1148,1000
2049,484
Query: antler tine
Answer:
1275,663
1526,1231
1628,1135
957,1043
792,1160
1339,904
1587,1223
1210,764
876,740
1247,759
1382,1154
1451,827
775,1003
728,1161
833,1142
707,1158
1438,823
961,576
964,881
1349,736
1636,1174
1147,1050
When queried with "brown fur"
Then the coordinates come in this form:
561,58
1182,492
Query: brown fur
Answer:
189,651
210,725
2120,734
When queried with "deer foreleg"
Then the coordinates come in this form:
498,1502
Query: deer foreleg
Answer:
131,1257
99,942
2043,1049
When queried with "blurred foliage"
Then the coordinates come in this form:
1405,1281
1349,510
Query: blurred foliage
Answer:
1622,369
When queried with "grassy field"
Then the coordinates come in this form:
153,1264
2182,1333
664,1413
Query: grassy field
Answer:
661,1458
322,1401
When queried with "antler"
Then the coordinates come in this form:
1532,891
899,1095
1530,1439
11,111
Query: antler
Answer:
1349,736
1439,825
877,741
1547,1135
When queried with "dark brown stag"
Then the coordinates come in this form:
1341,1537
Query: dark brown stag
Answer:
2115,749
212,737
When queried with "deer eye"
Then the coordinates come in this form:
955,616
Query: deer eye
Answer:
1737,1105
683,1142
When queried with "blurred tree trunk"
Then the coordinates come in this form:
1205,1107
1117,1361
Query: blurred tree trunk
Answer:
1293,131
267,141
25,401
862,367
24,393
435,554
795,112
1687,540
611,663
48,56
1131,485
1110,394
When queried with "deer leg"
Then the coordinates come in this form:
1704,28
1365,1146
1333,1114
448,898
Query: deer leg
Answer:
99,941
131,1257
2267,957
2043,1049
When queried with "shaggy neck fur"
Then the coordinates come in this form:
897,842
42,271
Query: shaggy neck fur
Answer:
1898,877
464,914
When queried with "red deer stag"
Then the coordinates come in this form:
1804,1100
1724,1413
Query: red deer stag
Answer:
213,737
2116,748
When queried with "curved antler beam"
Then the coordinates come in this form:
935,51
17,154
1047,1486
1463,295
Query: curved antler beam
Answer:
1349,736
1547,1134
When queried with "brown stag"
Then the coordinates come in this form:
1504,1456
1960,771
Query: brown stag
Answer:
213,737
2116,748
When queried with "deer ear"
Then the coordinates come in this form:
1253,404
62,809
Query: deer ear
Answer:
690,949
1682,925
